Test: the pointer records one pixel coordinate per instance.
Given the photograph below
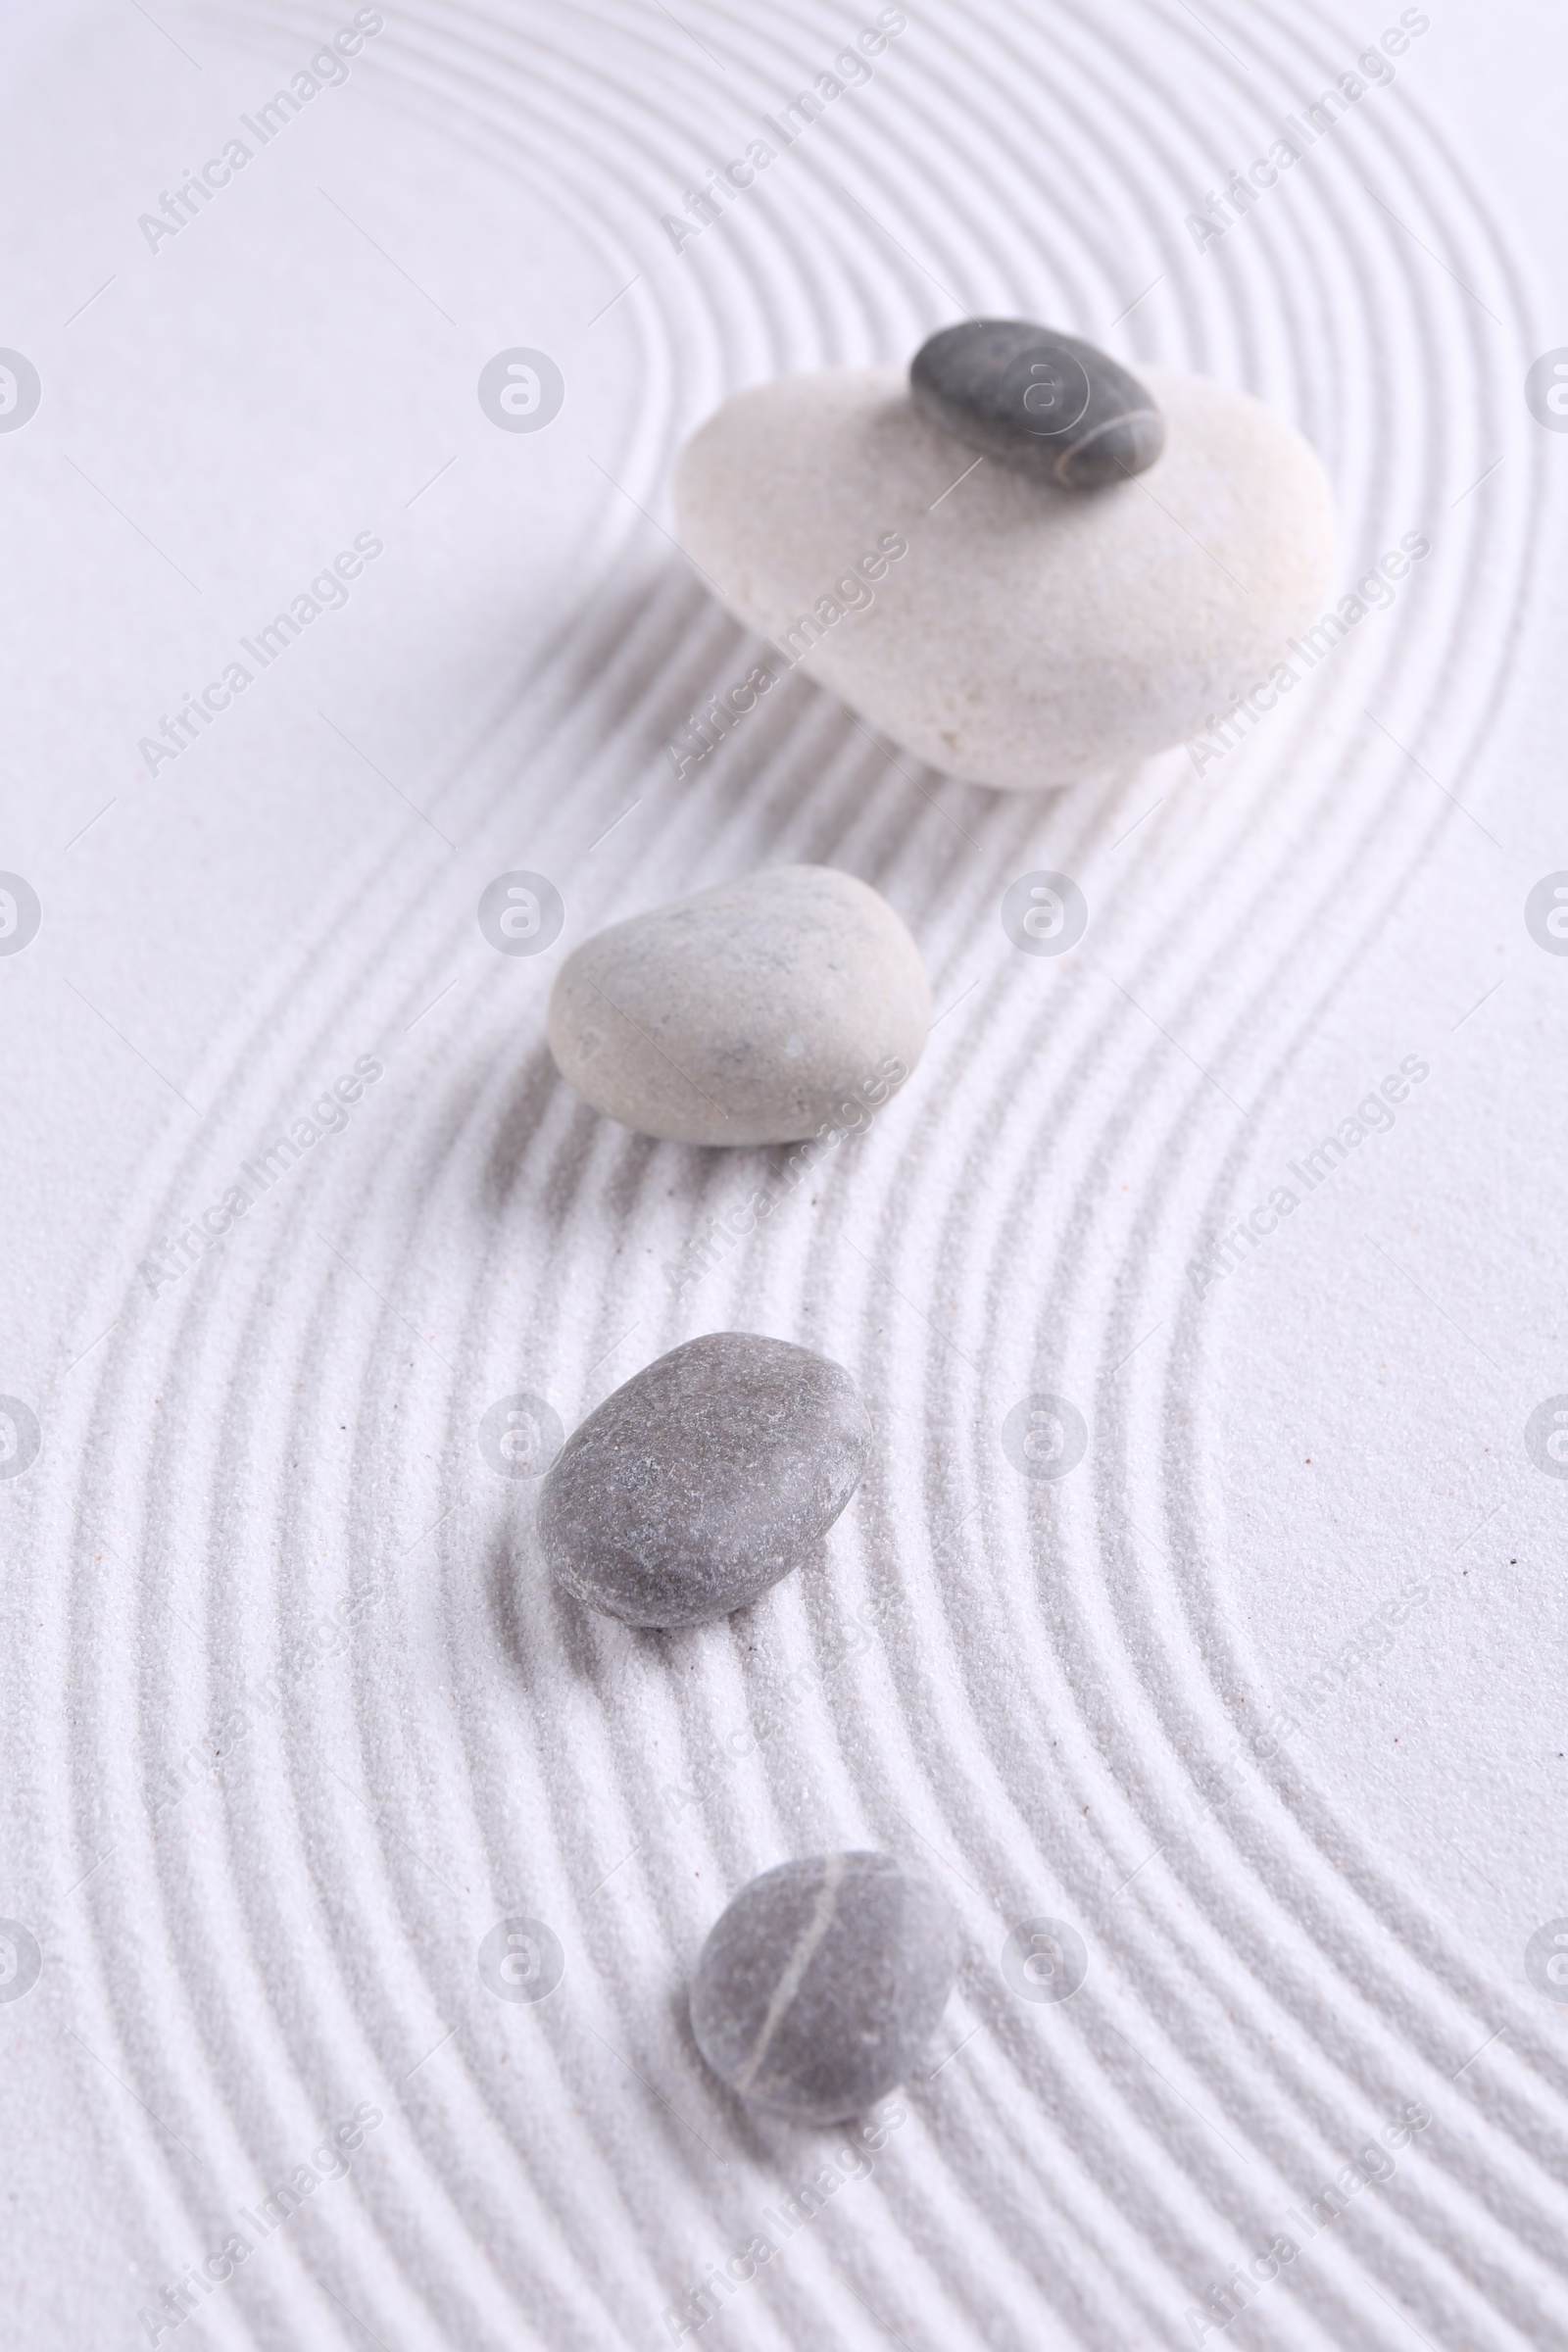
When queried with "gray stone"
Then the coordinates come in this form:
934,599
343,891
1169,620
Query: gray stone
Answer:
820,1987
704,1478
1046,402
760,1011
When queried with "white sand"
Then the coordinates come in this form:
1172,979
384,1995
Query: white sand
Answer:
259,1569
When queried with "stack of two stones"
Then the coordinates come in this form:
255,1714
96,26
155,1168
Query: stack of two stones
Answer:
1097,564
1058,616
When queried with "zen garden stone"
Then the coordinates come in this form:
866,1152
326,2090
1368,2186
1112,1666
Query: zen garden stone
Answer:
1029,634
1056,408
760,1011
820,1987
704,1478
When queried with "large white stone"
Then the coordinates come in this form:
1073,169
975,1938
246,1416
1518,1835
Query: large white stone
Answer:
1029,636
756,1012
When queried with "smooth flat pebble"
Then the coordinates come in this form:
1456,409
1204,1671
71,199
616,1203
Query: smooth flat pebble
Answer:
820,1987
1029,636
704,1478
1049,403
756,1012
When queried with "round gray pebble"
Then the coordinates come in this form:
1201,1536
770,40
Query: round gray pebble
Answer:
1046,402
820,1987
704,1478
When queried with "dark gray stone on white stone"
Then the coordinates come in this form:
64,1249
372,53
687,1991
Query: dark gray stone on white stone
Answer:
1046,402
704,1478
819,1989
1039,636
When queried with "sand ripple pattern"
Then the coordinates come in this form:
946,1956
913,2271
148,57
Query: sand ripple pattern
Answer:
1048,1666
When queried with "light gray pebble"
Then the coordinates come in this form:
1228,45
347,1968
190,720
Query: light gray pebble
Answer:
704,1478
820,1987
1044,401
756,1012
